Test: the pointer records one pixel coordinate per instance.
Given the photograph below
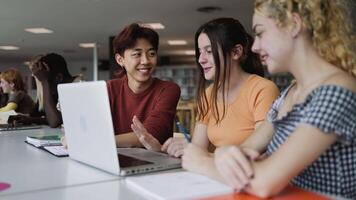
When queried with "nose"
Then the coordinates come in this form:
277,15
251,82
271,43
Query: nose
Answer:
202,58
255,46
144,59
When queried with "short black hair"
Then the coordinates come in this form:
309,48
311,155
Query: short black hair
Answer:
128,37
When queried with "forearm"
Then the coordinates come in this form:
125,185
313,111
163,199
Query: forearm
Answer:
127,140
209,169
9,106
260,138
53,116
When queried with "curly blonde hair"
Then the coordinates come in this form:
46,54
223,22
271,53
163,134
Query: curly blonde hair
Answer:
328,22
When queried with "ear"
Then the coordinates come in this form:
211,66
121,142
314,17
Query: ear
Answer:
237,52
297,25
120,60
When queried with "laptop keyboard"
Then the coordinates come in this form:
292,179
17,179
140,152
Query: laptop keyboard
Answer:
126,161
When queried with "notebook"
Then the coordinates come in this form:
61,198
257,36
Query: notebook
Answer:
182,185
90,134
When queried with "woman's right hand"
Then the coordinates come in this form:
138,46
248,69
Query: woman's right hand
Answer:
174,146
234,165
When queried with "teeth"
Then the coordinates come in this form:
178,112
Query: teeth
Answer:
143,70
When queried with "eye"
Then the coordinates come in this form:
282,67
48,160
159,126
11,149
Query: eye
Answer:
136,54
152,53
258,34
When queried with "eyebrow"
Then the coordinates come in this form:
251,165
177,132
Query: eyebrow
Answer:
139,49
205,47
255,26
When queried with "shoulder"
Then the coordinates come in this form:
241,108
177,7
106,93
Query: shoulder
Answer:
115,82
166,85
343,80
17,94
257,84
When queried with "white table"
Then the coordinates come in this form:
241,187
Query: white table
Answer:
30,169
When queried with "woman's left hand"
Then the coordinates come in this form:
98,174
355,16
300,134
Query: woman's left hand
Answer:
146,139
194,157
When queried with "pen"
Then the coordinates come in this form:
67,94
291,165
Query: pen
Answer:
183,130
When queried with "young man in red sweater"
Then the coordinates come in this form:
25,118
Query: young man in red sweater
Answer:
141,106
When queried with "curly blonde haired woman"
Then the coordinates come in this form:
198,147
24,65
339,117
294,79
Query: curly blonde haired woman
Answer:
310,136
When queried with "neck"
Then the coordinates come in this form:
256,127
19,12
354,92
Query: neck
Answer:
308,68
137,86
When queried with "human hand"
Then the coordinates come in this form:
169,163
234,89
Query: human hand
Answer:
234,165
64,142
146,139
40,70
194,158
174,146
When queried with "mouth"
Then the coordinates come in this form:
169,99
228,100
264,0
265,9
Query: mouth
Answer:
207,69
144,70
263,58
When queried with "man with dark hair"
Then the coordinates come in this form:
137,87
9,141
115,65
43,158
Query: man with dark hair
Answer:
141,106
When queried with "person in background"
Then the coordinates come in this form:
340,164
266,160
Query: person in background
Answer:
11,83
311,127
237,101
49,70
142,107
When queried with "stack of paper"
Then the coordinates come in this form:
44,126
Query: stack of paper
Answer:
177,185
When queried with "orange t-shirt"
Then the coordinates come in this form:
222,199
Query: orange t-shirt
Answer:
249,107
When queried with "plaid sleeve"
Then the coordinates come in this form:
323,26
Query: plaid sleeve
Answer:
332,109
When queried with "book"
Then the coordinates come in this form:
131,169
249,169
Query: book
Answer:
49,143
44,140
182,185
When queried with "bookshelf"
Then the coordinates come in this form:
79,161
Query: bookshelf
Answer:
185,76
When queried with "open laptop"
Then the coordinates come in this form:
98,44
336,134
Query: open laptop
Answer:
90,134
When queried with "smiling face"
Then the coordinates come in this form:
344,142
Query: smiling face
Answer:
6,86
206,59
274,44
139,62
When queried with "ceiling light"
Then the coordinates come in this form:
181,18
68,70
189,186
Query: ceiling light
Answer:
38,30
153,25
177,42
87,45
9,48
209,9
189,52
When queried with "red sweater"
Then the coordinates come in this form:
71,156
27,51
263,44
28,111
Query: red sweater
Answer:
155,107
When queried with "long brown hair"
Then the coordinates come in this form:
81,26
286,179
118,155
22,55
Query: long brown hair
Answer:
224,34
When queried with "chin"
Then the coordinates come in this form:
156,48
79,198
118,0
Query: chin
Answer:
208,77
